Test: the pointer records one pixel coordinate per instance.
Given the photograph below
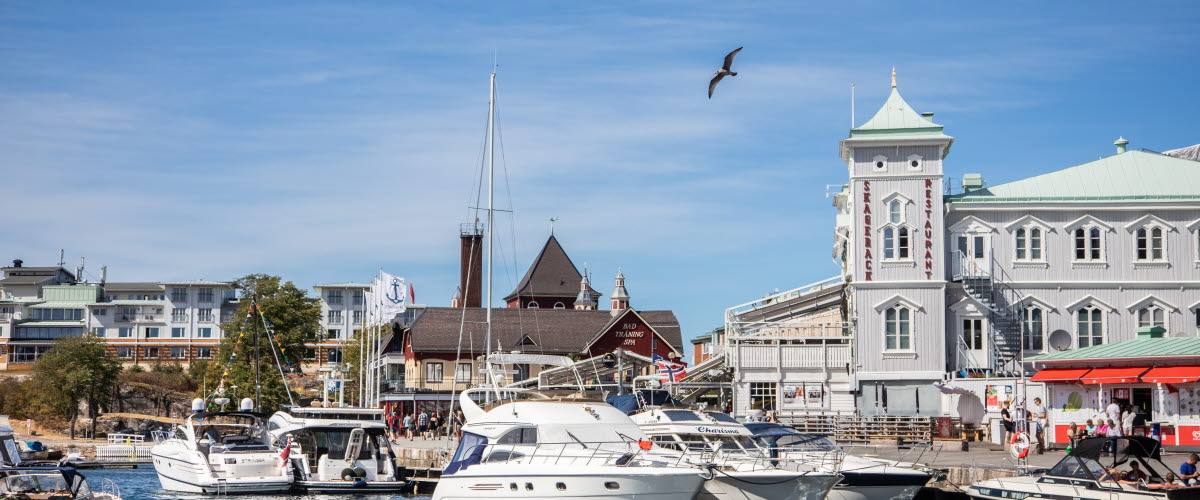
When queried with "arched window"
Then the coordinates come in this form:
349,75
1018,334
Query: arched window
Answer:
1029,244
533,304
1033,321
559,305
889,243
897,328
903,246
1150,243
1088,244
895,211
1089,326
1151,316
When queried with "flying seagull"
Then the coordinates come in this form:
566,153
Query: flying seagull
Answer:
712,85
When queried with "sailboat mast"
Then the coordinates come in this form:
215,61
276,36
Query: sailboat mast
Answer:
487,345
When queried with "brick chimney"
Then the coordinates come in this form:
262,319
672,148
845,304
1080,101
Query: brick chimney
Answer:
470,270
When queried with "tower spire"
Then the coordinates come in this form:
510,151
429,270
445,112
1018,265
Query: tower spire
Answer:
893,77
619,296
584,301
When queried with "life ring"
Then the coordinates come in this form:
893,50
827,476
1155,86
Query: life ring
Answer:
1020,444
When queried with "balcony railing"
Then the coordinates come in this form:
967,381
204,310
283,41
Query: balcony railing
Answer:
6,316
335,320
179,318
23,357
205,318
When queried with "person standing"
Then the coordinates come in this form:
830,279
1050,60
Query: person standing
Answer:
1127,420
458,424
1187,470
1114,411
423,424
1008,422
1038,429
408,426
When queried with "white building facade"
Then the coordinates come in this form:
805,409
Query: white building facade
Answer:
960,287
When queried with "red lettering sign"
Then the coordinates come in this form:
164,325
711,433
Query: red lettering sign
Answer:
867,257
928,229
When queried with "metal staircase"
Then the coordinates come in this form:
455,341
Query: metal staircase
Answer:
988,285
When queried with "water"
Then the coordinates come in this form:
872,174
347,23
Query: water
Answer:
142,483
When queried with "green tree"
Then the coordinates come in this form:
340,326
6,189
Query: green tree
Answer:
77,370
293,319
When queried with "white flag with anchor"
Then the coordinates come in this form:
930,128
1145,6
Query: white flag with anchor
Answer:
392,296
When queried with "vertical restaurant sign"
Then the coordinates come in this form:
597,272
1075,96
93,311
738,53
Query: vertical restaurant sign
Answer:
928,229
867,257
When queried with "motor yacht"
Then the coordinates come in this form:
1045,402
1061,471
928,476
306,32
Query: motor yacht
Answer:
863,478
743,470
1087,474
221,452
337,449
558,444
20,481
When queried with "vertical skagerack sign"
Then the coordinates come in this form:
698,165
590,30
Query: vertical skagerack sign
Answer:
867,257
928,229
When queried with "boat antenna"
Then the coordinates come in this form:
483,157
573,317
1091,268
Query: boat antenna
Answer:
272,340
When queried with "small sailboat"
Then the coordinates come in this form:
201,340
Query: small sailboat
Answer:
337,449
221,452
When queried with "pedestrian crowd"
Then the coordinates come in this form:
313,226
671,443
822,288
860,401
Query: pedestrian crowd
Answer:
423,424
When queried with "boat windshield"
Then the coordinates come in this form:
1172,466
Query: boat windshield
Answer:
1078,468
35,483
807,442
727,443
229,429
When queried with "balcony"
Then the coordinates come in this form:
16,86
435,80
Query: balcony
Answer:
138,317
4,316
205,318
792,344
179,318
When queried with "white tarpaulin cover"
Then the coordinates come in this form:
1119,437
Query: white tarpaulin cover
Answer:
1188,153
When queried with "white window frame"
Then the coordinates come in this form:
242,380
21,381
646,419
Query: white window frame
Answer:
458,372
1092,311
180,330
1144,241
917,158
179,294
179,315
876,161
334,297
892,245
560,305
982,333
903,319
205,295
1194,227
1023,239
533,305
1094,234
334,317
181,350
762,392
1031,328
201,333
201,351
124,352
1146,316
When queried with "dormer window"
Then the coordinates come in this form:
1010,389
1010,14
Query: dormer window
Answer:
914,162
880,163
895,211
1087,236
1150,241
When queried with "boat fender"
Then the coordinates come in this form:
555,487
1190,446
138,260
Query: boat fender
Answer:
360,483
1019,446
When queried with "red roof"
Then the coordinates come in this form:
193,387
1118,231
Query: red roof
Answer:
1115,375
1172,374
1059,374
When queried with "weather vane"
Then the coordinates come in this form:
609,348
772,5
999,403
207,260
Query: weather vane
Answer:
552,221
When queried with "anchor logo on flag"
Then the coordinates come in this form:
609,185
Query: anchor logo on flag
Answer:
396,295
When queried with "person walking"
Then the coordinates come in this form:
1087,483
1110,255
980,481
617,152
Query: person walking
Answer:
458,424
408,426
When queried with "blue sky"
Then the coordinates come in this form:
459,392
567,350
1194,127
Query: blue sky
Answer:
319,141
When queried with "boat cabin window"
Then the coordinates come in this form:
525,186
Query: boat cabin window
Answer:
520,435
722,417
681,415
469,452
334,444
699,441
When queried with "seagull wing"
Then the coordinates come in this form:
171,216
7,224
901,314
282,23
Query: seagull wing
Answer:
729,58
712,85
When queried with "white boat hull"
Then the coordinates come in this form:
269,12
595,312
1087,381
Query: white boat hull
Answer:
350,486
873,492
182,470
630,484
766,485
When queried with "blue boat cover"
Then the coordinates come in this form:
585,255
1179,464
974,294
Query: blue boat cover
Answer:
628,403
